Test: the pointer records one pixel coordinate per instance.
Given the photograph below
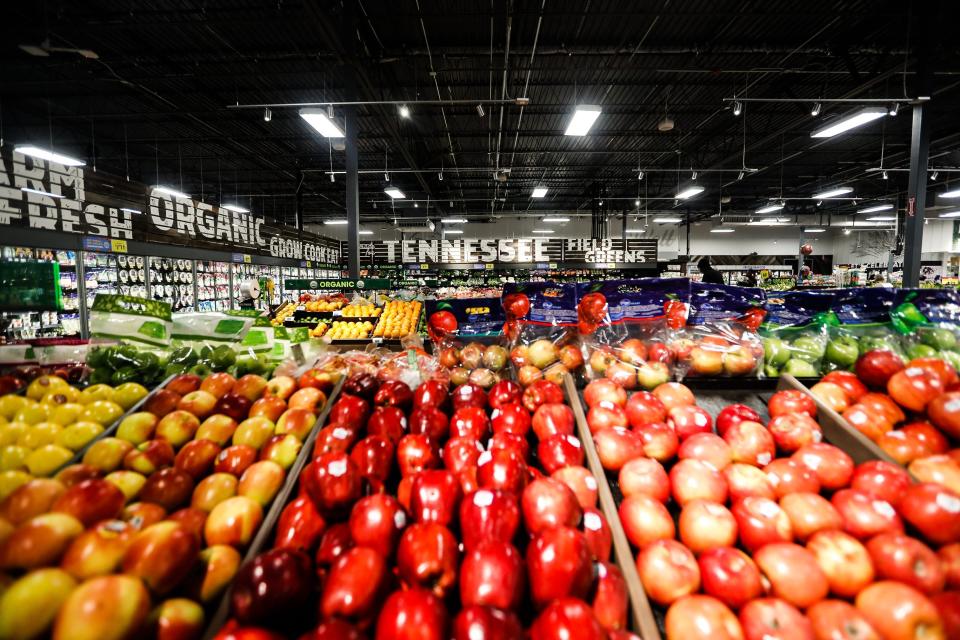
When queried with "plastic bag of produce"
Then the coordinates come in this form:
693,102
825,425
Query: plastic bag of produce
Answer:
132,319
217,327
628,344
541,329
476,362
865,325
720,338
414,366
115,363
929,320
795,332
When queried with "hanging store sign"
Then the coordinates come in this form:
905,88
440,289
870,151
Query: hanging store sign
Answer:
345,284
45,195
481,252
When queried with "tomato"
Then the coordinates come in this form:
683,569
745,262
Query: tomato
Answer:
791,401
849,382
516,305
914,387
883,405
944,412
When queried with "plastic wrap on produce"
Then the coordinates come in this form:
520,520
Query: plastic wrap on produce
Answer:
864,325
720,338
624,327
929,322
130,318
541,328
795,332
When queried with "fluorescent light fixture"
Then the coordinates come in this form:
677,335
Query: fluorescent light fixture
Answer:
668,220
364,232
455,232
689,192
539,192
737,107
404,111
950,214
583,118
815,110
394,193
955,193
131,210
814,230
317,118
170,192
543,231
876,207
832,193
453,220
555,219
641,230
52,156
722,230
850,121
336,222
235,208
770,208
40,192
769,222
882,218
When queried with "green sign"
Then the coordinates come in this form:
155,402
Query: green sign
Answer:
346,284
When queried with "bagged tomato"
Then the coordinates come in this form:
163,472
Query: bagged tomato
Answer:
864,325
720,338
541,330
795,332
627,343
929,320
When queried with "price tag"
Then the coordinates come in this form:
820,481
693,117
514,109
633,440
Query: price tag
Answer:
337,313
488,266
247,259
377,340
297,351
424,266
118,246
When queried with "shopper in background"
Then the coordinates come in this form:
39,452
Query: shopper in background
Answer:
710,274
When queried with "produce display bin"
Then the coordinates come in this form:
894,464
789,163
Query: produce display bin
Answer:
266,531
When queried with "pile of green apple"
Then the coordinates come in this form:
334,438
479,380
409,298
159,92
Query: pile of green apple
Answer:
799,354
934,342
147,532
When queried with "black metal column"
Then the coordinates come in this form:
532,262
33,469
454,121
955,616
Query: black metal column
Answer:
916,195
353,194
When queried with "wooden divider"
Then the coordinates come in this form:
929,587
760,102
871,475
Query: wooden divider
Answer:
642,620
264,533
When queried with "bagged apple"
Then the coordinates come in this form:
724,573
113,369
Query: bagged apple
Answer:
628,344
541,330
929,320
720,338
795,335
864,325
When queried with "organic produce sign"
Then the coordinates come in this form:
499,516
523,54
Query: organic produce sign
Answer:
349,284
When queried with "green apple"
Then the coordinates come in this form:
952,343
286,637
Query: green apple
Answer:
775,351
807,348
842,351
915,351
938,338
952,357
800,368
770,371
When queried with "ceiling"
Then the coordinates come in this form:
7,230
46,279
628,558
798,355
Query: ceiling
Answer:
155,103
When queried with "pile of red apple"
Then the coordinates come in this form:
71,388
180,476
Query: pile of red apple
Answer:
542,359
148,531
916,422
633,364
436,514
747,530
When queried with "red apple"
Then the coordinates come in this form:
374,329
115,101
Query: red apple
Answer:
747,480
235,460
558,451
791,431
934,511
334,542
696,480
789,476
233,405
774,619
791,401
504,392
435,496
750,443
552,418
705,525
184,384
488,515
389,422
510,418
502,469
548,503
197,458
948,606
90,502
734,414
598,533
334,482
793,573
833,466
492,575
604,391
847,381
688,420
169,488
645,520
604,416
950,560
643,408
905,559
427,557
944,411
660,441
610,599
161,402
730,575
476,622
644,476
899,611
393,393
162,555
567,618
581,482
471,422
617,446
875,368
349,411
708,447
810,513
839,620
414,614
460,454
913,387
318,378
541,392
415,452
300,525
761,521
697,617
865,516
559,565
354,585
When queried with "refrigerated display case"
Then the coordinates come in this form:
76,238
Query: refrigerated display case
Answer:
213,285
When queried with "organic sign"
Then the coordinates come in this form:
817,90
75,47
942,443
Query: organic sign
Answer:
347,284
49,196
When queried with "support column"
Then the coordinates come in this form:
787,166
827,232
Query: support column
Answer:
916,194
353,194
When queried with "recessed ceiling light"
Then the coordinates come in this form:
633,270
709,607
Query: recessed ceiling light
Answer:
555,219
317,118
850,121
689,192
543,231
41,192
583,118
668,220
832,193
51,156
394,193
234,207
335,222
875,208
539,192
